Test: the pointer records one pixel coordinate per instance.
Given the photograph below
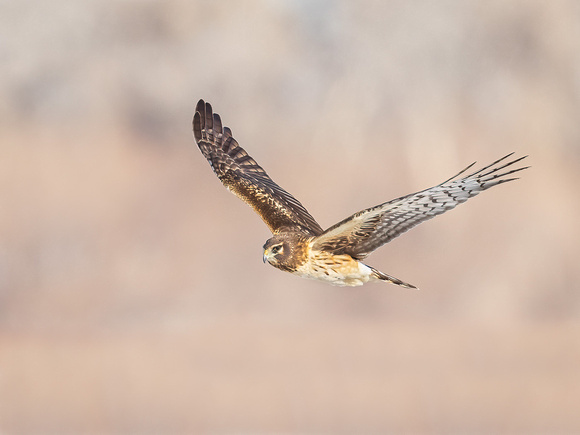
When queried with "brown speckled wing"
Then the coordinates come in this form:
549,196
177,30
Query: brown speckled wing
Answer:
245,178
365,231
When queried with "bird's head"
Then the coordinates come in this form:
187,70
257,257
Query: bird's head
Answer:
286,250
276,251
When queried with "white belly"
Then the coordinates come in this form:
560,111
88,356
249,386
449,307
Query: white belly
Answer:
340,270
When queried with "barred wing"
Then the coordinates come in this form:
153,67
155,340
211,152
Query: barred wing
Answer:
365,231
245,178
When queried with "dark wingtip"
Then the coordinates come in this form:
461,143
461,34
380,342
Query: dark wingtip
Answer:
197,119
197,126
208,122
217,123
200,106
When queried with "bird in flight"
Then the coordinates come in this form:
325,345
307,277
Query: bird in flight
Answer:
299,245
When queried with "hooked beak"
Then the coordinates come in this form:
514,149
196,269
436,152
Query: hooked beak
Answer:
264,257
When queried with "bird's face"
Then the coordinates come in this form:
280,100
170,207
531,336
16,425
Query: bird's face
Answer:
284,252
275,252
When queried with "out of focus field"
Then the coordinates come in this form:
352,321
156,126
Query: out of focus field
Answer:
133,298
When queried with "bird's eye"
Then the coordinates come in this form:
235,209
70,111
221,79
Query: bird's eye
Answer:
276,249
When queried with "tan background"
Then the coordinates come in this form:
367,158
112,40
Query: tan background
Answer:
133,298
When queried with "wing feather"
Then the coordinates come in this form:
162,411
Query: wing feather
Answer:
365,231
242,175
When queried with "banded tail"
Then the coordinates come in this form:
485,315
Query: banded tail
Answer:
384,277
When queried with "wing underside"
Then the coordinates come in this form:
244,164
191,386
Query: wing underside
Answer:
365,231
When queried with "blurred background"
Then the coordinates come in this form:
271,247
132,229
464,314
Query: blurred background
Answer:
133,298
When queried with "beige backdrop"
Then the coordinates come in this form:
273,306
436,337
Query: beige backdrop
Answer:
133,298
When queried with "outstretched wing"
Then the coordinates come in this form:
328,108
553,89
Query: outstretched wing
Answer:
365,231
245,178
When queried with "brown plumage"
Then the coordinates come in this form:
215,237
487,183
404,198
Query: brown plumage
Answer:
299,245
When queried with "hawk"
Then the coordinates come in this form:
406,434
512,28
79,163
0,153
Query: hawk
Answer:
299,245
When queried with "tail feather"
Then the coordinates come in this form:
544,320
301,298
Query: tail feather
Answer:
384,277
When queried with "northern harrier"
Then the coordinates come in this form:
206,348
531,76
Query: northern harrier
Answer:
299,244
